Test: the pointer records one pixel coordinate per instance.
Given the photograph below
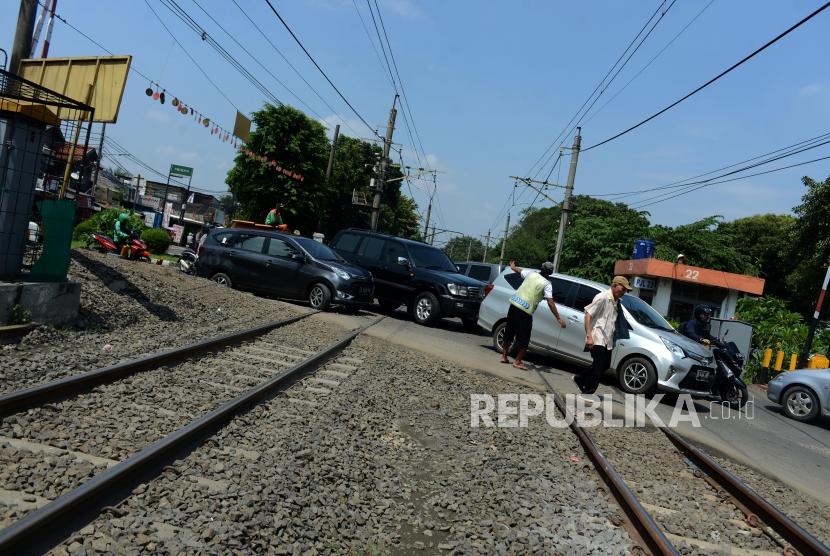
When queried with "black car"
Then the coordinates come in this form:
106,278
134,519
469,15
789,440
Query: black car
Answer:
412,273
484,272
280,265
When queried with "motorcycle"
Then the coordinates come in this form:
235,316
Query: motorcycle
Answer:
137,249
187,261
727,381
104,244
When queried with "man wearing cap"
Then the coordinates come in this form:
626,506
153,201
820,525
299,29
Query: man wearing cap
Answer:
523,303
604,325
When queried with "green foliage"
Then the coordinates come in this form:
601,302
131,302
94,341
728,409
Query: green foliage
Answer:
778,328
299,143
104,223
811,253
157,240
19,315
703,246
458,247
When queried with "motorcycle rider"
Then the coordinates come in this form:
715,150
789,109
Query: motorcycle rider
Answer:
122,233
697,328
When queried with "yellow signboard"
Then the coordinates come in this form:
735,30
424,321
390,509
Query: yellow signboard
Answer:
72,77
242,127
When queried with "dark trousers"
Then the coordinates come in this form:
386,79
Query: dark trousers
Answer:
589,380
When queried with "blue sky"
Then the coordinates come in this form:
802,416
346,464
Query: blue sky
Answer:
490,86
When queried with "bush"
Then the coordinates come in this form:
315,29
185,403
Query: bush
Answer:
157,240
104,223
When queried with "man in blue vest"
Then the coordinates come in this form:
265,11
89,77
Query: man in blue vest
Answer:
535,287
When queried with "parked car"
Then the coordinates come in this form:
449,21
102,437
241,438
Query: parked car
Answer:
414,274
283,266
654,356
483,272
803,394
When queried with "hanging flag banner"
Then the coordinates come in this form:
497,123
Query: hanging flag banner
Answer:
242,127
273,164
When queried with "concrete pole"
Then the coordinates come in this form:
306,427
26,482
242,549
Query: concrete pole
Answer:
469,248
387,145
328,171
22,45
429,207
504,241
486,246
566,204
100,159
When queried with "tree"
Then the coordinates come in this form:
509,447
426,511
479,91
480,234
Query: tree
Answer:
703,246
464,248
812,245
767,240
296,142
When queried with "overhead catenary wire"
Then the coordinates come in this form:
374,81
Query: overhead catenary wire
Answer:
310,57
714,79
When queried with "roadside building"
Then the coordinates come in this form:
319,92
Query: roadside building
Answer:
674,289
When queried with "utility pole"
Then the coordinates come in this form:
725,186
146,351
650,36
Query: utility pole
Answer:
432,237
22,45
469,248
504,241
387,144
486,246
566,204
429,206
328,171
100,158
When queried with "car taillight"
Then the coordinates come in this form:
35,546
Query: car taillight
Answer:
488,288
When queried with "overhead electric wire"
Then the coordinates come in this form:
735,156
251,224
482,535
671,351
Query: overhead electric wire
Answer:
185,17
257,60
588,99
645,67
296,71
192,59
369,36
685,182
721,74
310,57
733,179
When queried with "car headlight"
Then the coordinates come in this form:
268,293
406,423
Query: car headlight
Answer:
674,348
455,289
342,274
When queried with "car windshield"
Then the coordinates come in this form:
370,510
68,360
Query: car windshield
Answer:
424,256
644,313
318,250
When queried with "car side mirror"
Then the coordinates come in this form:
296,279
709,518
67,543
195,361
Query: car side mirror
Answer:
298,256
403,261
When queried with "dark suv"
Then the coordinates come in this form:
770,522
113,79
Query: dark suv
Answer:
283,266
412,273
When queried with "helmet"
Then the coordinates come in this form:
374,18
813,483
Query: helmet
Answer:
701,311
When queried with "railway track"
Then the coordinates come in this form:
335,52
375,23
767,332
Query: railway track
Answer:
676,498
65,456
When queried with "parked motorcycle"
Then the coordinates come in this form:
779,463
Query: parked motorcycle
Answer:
100,242
137,249
187,261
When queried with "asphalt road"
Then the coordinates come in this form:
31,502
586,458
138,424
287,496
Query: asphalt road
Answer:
761,437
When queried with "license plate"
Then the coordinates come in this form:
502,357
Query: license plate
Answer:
364,290
703,375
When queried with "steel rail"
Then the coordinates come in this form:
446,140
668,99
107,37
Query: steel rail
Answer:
51,524
63,388
801,540
639,520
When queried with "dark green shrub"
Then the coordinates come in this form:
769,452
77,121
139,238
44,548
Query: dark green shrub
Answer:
104,223
157,240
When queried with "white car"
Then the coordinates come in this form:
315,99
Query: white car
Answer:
654,356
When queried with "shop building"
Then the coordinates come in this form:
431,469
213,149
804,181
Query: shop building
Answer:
674,289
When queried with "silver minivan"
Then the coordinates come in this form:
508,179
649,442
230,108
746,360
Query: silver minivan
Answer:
655,356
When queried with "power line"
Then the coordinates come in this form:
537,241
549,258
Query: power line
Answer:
721,74
310,57
645,67
296,71
588,99
734,179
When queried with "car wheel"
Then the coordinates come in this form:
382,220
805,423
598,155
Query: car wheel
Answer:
425,309
388,306
800,403
319,297
222,279
498,338
637,376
